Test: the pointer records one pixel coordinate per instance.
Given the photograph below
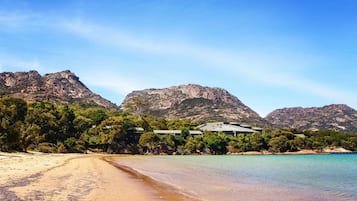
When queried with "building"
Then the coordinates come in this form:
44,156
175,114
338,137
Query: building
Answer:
176,132
229,128
135,130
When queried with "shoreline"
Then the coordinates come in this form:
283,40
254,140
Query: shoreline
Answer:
165,191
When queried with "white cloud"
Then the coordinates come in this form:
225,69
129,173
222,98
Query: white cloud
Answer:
117,83
15,21
311,87
12,19
121,39
277,69
273,68
243,62
11,63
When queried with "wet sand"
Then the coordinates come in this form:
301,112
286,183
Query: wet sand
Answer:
74,177
164,191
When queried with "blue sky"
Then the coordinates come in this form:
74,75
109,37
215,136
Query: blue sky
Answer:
269,53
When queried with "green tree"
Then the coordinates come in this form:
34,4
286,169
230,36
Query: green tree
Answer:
149,140
298,143
279,144
256,142
216,143
82,124
111,131
136,106
97,116
194,144
74,145
12,114
185,132
31,136
242,143
46,116
181,124
350,143
66,125
167,144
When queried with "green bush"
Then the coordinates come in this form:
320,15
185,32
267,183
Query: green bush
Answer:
61,148
74,146
47,147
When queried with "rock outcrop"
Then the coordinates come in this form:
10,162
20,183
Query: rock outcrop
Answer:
62,87
193,102
337,117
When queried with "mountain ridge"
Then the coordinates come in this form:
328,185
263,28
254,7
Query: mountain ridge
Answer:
339,117
189,101
61,87
194,102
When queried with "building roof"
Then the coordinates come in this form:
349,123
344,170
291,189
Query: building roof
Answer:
300,135
176,132
136,129
195,132
224,127
257,128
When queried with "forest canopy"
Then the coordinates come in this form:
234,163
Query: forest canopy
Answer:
45,127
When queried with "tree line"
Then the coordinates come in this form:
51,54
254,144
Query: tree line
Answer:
45,127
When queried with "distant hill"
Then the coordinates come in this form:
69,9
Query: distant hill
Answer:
62,87
191,101
337,117
194,102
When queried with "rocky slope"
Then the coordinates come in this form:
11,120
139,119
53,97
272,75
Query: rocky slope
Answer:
193,102
338,117
61,87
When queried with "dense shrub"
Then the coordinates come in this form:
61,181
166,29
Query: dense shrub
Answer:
47,147
54,128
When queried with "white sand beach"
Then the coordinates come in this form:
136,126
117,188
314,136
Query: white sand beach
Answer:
40,176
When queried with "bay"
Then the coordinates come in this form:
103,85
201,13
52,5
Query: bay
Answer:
262,177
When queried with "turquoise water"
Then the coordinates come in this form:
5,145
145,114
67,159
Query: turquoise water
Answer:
267,177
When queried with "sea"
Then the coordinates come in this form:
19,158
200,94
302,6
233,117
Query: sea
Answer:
259,177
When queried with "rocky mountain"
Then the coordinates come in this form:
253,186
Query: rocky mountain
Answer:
338,117
193,102
61,87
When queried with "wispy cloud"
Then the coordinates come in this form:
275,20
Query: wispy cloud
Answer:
267,68
117,83
311,87
11,63
121,39
12,19
16,20
279,69
243,63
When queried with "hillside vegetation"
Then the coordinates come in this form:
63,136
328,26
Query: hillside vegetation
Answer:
47,127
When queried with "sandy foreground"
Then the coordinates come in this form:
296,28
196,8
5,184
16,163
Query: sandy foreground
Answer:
73,177
39,176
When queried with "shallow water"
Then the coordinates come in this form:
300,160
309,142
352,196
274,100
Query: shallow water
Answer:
266,177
